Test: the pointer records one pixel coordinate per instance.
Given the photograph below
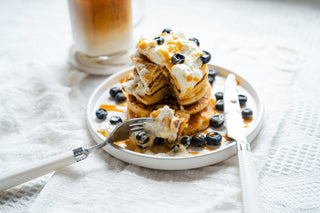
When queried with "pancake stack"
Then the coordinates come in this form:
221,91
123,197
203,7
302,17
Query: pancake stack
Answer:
171,70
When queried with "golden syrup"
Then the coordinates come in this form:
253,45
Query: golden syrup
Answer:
194,153
226,137
209,149
247,121
111,108
123,144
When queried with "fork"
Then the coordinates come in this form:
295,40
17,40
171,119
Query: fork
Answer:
27,173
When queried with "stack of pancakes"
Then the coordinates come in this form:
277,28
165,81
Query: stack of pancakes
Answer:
154,84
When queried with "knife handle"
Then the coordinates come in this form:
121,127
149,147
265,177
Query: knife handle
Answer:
249,182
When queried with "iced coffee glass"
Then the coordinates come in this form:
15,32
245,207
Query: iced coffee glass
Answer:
102,34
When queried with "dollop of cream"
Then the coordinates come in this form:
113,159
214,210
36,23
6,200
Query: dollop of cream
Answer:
105,128
187,74
166,125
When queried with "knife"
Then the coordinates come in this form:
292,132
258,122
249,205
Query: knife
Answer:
235,131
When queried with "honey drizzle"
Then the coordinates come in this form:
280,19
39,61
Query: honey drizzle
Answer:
247,121
209,149
111,108
123,80
226,137
194,153
123,144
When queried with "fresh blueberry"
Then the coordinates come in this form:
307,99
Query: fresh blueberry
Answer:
145,139
142,138
114,90
186,140
177,58
114,120
159,40
213,138
205,57
212,73
120,97
198,140
195,40
166,30
158,141
242,100
219,105
210,80
216,121
140,134
247,113
219,95
101,114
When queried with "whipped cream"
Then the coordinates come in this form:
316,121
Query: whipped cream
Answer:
166,125
187,74
136,86
105,128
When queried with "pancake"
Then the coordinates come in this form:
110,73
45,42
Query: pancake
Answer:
197,93
158,80
198,105
192,89
199,121
137,87
147,71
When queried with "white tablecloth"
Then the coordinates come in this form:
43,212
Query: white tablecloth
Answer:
273,44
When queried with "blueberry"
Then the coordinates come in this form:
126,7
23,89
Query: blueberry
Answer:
186,140
142,138
216,121
219,105
142,147
205,57
177,58
114,120
120,97
213,138
219,95
101,114
242,100
140,134
166,30
114,90
159,40
212,73
247,113
158,141
210,80
145,139
195,40
198,140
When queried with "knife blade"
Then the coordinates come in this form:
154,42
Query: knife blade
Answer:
236,131
232,112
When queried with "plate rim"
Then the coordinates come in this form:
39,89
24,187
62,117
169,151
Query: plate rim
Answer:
257,126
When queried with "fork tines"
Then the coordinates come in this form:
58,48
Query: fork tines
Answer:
136,127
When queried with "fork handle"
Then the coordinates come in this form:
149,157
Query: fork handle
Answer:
43,167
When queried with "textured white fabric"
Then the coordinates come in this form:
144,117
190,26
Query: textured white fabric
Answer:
273,44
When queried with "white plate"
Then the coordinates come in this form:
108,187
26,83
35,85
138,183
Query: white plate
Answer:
226,150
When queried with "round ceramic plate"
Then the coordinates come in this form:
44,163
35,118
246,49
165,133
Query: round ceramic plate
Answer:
198,157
